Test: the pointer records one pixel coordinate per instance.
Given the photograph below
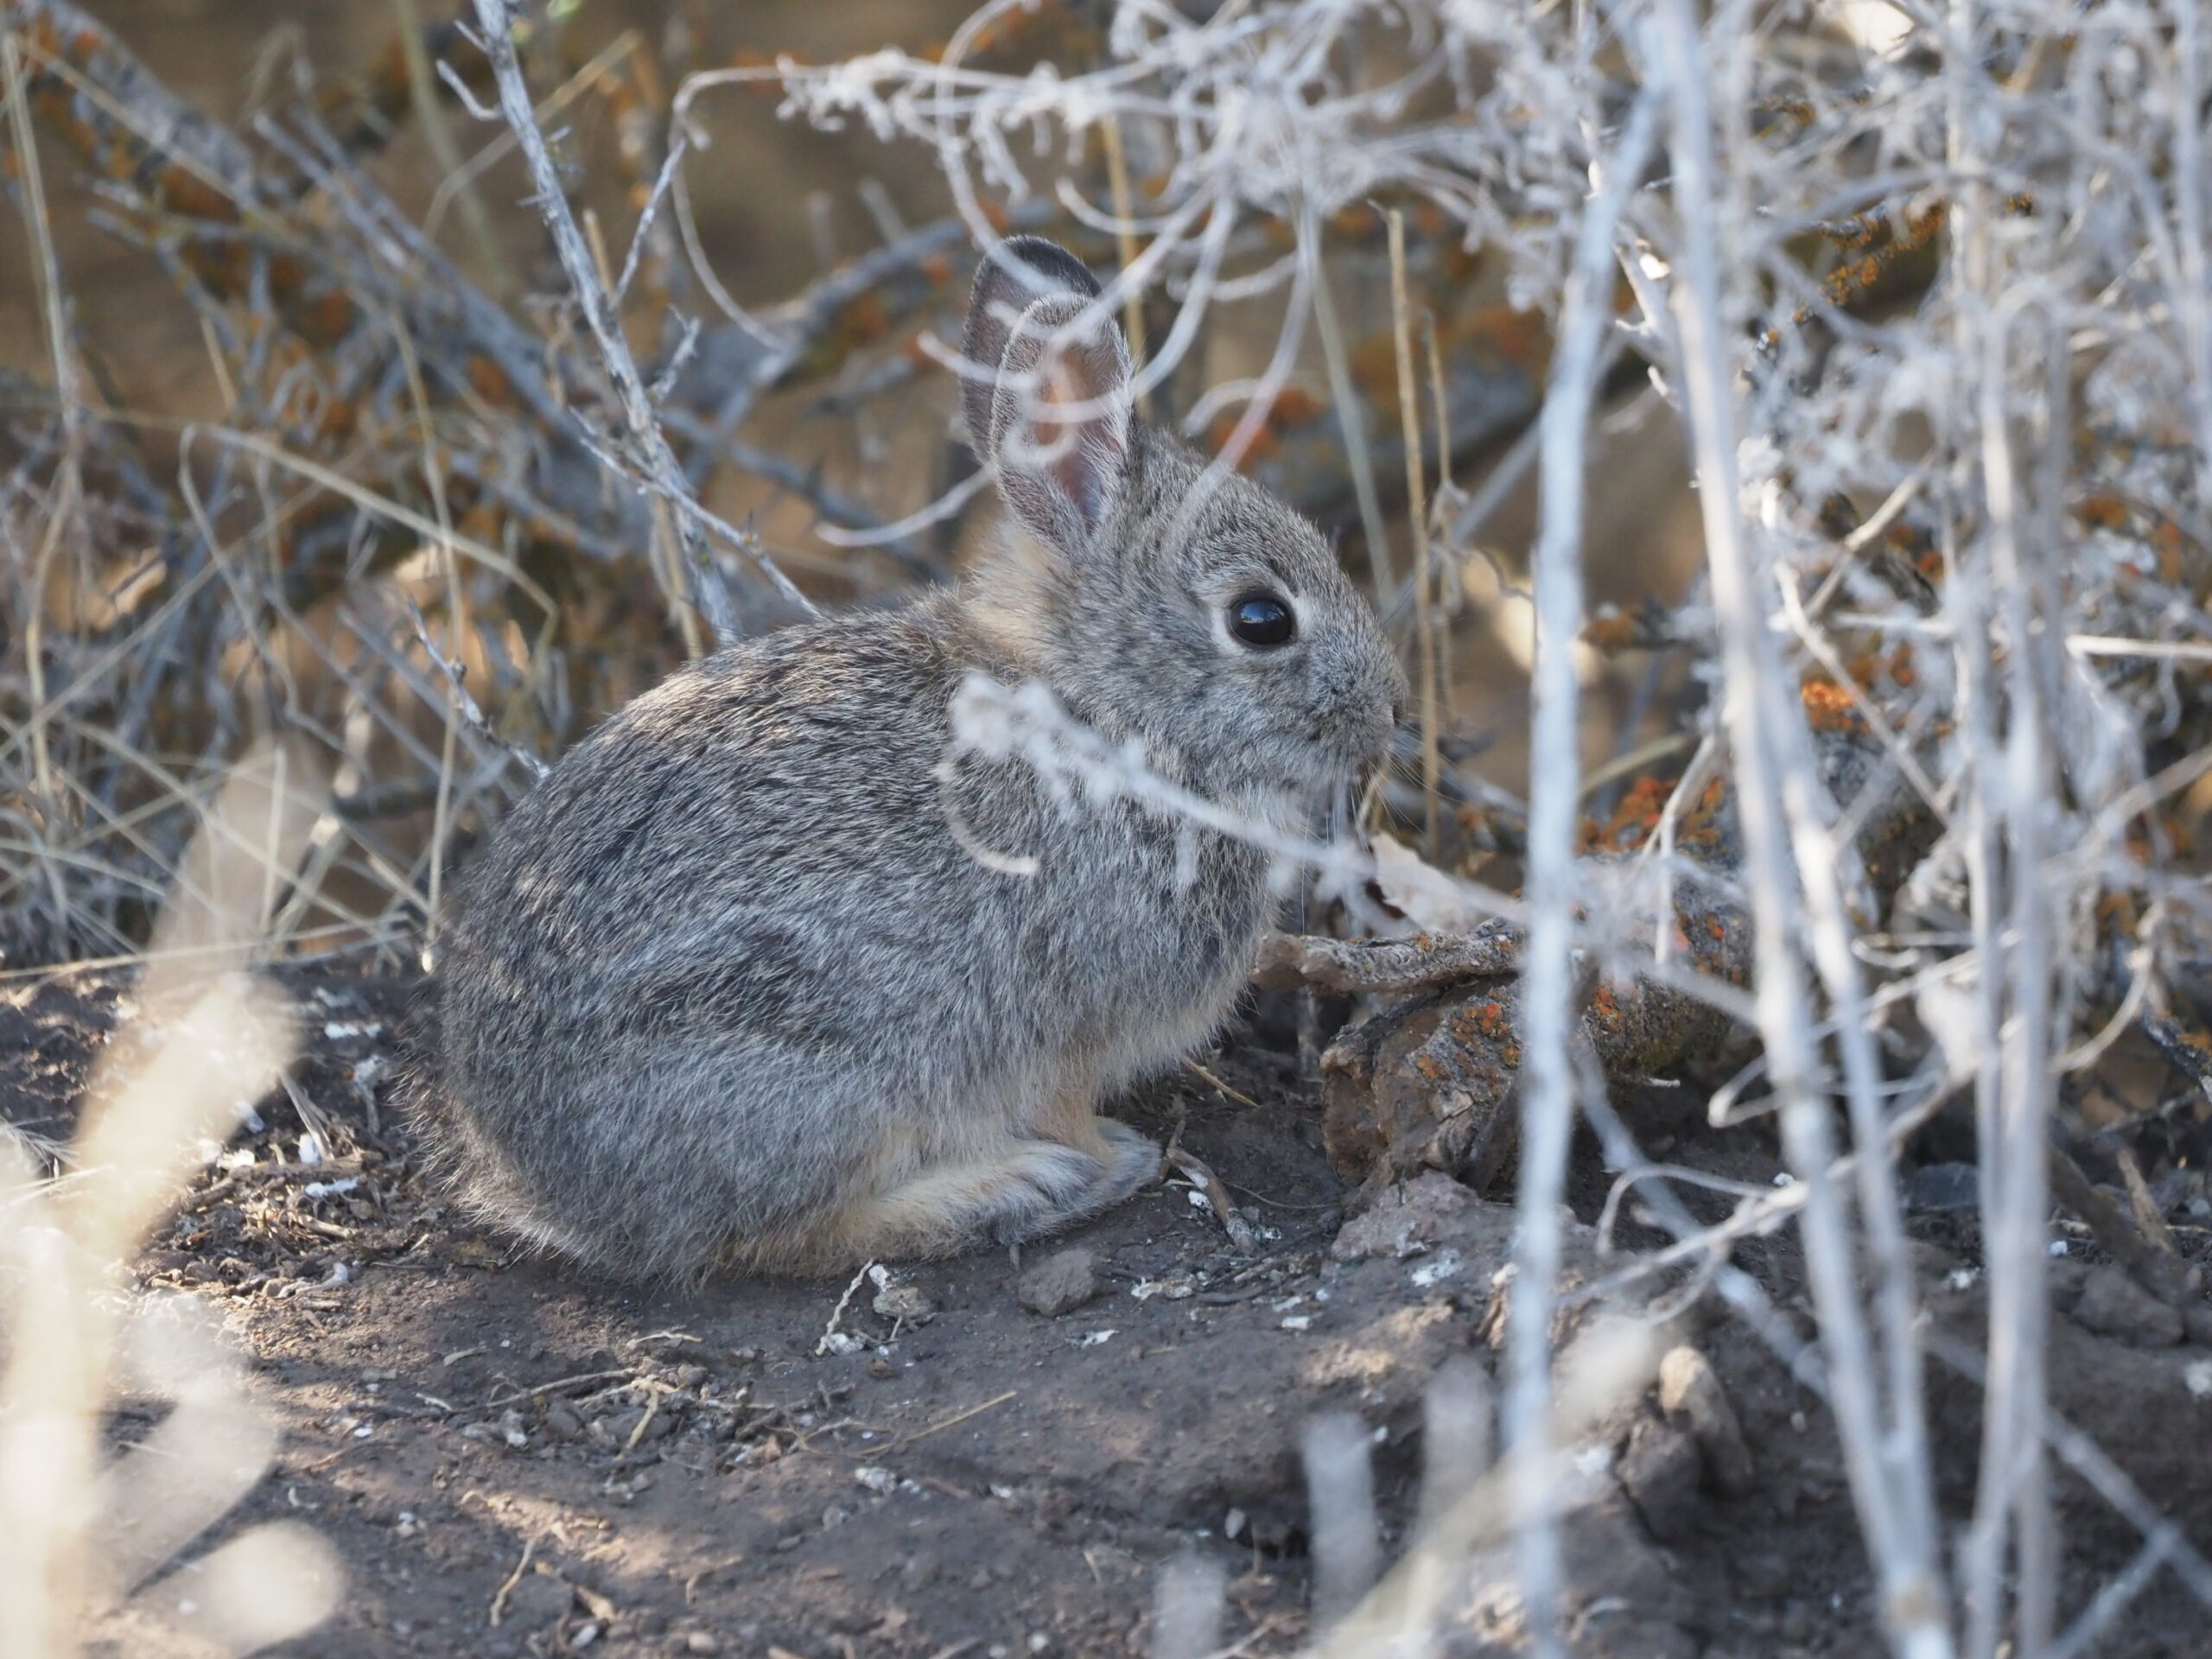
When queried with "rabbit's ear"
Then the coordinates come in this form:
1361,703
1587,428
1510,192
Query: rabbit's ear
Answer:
1011,278
1060,421
1055,417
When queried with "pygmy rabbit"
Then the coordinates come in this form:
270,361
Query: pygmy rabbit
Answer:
728,990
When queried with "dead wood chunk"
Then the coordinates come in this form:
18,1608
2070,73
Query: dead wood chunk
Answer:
1659,1471
1420,1086
1694,1402
1060,1283
2115,1306
1426,1084
1376,967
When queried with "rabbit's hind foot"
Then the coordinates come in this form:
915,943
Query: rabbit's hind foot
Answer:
1026,1189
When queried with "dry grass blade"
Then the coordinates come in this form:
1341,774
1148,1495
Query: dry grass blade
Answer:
209,1043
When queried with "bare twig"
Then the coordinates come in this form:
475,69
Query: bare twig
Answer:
653,464
1549,1005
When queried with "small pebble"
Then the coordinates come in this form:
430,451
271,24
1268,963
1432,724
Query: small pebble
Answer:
905,1303
1060,1283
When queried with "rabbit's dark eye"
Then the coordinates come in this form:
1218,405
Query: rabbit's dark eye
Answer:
1262,620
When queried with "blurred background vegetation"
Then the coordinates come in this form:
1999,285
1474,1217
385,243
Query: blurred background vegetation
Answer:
279,410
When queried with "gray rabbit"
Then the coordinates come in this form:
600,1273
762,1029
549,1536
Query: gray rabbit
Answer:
729,991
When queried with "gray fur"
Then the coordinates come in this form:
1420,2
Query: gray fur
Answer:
726,991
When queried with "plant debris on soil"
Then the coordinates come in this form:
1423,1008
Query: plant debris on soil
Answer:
512,1458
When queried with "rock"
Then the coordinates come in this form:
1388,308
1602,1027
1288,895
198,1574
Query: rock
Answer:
2197,1320
920,1570
905,1303
562,1421
1659,1471
2113,1305
1694,1402
1407,1220
1060,1283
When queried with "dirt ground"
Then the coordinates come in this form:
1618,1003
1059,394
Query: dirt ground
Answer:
512,1458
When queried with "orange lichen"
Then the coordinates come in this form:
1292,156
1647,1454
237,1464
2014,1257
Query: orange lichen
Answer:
1828,706
1637,816
1606,1011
